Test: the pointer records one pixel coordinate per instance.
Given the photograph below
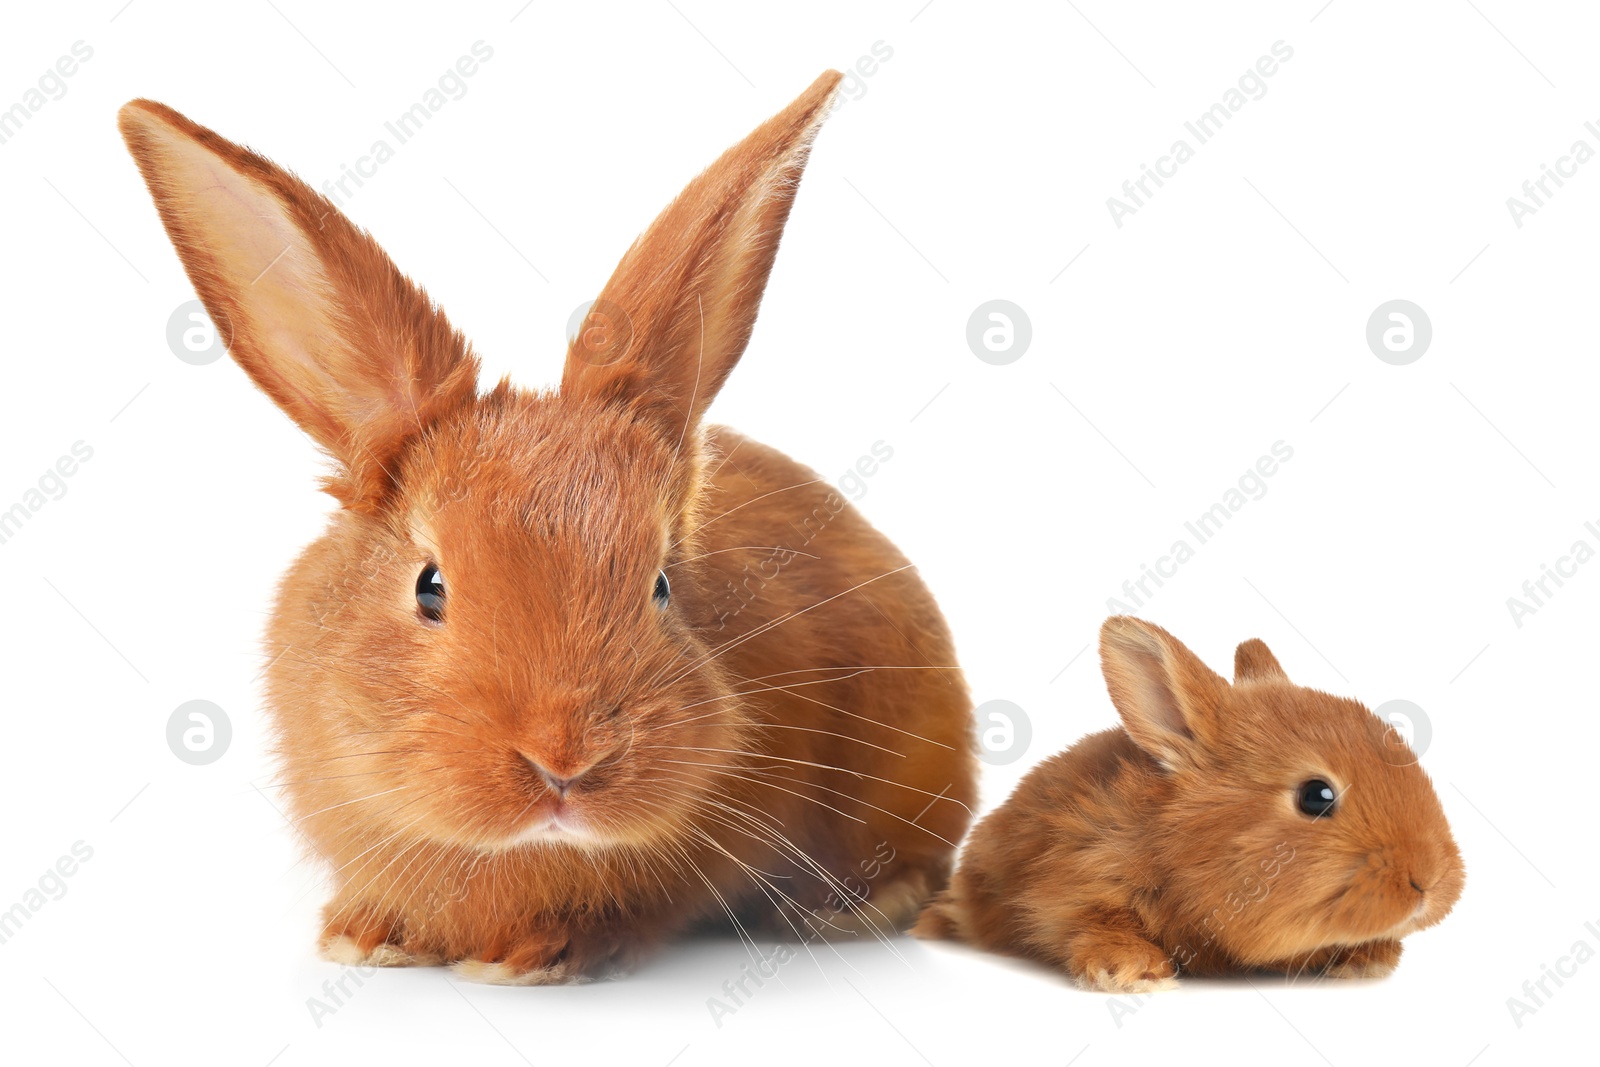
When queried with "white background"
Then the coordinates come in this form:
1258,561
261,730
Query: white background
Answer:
1229,313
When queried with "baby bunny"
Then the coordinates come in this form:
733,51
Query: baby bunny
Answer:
1223,829
569,671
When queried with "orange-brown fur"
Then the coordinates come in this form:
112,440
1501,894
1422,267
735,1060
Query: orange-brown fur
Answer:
1175,844
790,718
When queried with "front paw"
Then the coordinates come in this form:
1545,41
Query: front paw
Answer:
365,937
341,948
1370,959
1373,959
1124,964
546,959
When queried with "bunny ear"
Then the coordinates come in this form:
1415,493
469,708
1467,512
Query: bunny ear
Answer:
310,306
678,311
1170,702
1253,661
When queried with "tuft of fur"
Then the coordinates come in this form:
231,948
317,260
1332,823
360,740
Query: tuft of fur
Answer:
1175,843
562,773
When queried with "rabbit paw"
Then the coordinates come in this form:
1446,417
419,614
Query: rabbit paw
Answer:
342,948
889,909
363,938
1123,965
500,972
1373,959
543,959
1370,959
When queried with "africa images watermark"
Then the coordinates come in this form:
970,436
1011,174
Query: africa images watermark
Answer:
51,485
331,1001
853,86
1252,85
450,85
1536,191
1536,992
51,85
1252,890
1252,485
1536,592
849,894
743,589
51,885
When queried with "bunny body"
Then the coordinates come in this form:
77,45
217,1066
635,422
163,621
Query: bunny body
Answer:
787,802
1177,843
569,671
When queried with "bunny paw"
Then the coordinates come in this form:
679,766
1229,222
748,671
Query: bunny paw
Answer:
1374,959
1370,959
342,948
499,972
1126,966
543,959
363,938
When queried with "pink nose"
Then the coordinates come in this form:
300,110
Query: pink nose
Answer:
559,784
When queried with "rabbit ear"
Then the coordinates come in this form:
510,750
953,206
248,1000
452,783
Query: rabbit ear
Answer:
1170,702
678,311
1253,661
310,306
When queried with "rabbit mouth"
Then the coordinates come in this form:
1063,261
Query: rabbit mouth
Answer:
560,827
1422,916
1404,929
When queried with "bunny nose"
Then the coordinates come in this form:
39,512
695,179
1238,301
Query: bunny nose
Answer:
1424,880
559,783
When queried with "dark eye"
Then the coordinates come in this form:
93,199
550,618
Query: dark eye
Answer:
1317,798
430,593
663,590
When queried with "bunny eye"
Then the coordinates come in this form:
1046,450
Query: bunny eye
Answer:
1317,798
430,593
663,590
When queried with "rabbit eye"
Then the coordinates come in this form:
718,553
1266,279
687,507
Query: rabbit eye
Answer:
1317,798
430,593
663,590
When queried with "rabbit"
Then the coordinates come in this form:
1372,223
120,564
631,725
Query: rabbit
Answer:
570,673
1223,829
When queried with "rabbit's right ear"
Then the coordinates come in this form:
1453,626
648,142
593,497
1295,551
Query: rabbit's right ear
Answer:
1253,661
678,310
309,306
1170,702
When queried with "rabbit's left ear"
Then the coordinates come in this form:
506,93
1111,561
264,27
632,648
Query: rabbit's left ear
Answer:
677,313
1253,661
309,306
1171,703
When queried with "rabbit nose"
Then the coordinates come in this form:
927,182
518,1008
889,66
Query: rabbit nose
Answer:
1424,880
557,782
